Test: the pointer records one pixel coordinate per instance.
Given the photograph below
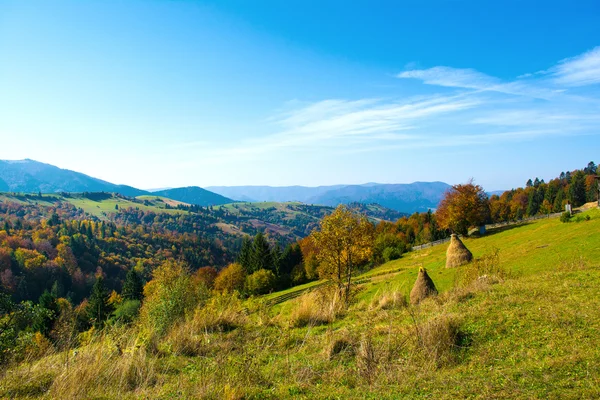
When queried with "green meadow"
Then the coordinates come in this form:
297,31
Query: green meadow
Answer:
530,332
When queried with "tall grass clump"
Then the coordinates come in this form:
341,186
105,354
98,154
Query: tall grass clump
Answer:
318,307
389,299
439,339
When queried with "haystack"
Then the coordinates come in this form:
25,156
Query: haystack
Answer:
457,253
423,288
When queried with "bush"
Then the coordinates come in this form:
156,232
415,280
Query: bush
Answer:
231,278
391,253
565,217
169,296
127,311
261,282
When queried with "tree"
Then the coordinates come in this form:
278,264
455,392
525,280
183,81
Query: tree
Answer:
577,189
261,282
133,288
44,321
261,254
245,256
462,207
345,241
99,309
231,278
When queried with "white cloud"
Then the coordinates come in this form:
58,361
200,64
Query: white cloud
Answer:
581,70
452,77
472,79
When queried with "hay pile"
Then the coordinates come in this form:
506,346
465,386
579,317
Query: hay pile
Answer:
423,288
457,253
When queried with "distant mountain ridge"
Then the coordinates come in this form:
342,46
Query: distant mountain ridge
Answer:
405,198
194,195
33,176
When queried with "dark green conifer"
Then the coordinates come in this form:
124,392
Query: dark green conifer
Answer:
98,309
133,288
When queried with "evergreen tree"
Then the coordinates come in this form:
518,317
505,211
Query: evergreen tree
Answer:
245,256
44,321
276,255
577,189
558,200
99,309
133,288
261,254
291,257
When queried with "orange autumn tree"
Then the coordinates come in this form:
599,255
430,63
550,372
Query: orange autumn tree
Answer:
345,241
462,207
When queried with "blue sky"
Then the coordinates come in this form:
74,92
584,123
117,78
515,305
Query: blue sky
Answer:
177,93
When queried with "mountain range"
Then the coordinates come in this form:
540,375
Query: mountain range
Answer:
31,176
406,198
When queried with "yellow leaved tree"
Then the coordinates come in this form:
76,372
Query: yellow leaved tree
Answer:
344,241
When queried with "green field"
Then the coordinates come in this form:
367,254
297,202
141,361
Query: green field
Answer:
98,208
531,332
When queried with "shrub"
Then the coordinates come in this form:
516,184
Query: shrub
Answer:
127,311
391,253
261,282
565,217
169,296
231,278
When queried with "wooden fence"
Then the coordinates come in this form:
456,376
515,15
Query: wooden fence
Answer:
488,228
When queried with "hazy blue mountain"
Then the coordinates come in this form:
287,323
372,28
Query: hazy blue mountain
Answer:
32,176
271,193
194,195
405,198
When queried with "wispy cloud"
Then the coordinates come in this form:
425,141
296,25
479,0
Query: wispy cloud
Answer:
482,110
581,70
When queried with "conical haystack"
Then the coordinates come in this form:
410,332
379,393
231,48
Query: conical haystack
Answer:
457,253
423,287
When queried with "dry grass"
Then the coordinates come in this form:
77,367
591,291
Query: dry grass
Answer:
438,339
318,307
393,299
222,313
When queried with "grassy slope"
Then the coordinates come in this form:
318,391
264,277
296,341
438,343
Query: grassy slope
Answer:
100,208
524,249
532,336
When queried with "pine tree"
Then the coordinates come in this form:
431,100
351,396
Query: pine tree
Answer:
99,309
577,189
245,256
276,256
261,254
133,289
45,320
